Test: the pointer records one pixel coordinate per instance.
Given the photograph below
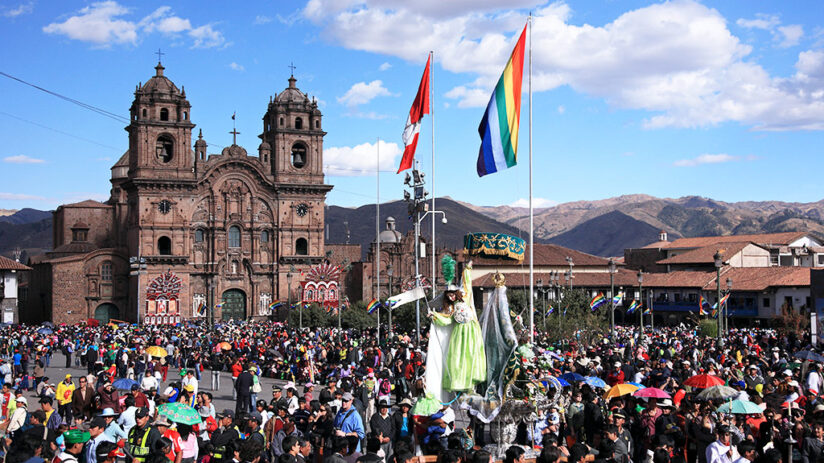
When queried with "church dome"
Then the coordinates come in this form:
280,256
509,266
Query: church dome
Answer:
160,83
390,235
292,94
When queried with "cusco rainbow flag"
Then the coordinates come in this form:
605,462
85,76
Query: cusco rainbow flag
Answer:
633,307
499,126
703,305
597,301
373,306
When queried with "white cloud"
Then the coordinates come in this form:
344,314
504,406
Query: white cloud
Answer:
705,159
761,21
361,160
385,67
102,24
260,19
20,197
561,109
236,67
677,60
784,36
536,202
23,8
791,35
362,93
22,159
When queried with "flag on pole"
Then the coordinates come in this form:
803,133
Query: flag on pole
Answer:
233,115
597,301
549,312
201,309
372,306
703,305
618,299
648,311
219,305
499,126
633,306
276,304
413,122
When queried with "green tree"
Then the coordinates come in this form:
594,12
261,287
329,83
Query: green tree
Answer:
578,316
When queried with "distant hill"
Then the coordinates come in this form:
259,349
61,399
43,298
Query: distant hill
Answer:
26,215
32,238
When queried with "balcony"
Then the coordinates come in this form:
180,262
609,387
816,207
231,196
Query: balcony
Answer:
683,306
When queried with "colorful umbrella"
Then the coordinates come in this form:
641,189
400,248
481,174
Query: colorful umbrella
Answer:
717,393
156,351
225,346
703,381
638,385
740,407
179,412
809,355
651,393
124,384
572,377
620,389
45,331
595,381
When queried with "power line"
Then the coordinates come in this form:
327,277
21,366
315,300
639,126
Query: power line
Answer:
100,111
59,131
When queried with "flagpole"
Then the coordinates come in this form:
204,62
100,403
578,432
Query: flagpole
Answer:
432,252
531,218
378,236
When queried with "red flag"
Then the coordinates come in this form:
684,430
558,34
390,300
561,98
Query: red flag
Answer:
413,122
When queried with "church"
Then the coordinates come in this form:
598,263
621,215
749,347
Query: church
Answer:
187,234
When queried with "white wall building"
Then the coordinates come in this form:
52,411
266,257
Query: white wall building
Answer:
9,280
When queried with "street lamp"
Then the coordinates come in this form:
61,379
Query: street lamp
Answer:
389,273
719,262
543,306
612,269
289,296
569,261
727,308
641,309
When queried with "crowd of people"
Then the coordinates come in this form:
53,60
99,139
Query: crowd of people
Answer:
346,397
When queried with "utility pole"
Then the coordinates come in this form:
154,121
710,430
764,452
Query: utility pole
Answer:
641,309
416,206
612,270
569,261
719,262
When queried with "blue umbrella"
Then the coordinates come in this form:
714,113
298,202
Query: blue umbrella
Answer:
45,330
639,385
572,377
124,384
563,382
594,381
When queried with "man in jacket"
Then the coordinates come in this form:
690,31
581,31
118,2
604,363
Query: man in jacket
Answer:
382,425
74,439
225,437
109,397
243,386
142,438
64,398
82,400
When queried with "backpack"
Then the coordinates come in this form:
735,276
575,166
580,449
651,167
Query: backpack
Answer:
26,423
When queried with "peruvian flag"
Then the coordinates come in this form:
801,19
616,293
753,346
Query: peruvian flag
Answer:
413,122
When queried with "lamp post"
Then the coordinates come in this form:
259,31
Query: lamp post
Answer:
289,296
719,262
641,309
540,283
569,261
727,308
389,273
612,269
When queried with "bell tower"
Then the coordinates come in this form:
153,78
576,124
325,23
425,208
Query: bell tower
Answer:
160,132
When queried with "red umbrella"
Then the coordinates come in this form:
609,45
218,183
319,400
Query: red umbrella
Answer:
652,393
703,381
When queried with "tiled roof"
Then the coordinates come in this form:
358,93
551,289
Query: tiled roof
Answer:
761,278
706,254
657,245
545,255
8,264
586,279
678,279
784,238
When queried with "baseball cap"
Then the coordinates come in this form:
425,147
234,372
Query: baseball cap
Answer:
256,416
76,436
141,412
347,396
226,413
98,422
135,387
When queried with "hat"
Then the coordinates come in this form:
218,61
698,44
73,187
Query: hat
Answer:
405,403
107,450
787,373
226,413
617,364
98,422
189,388
68,376
256,416
723,429
107,384
76,436
162,421
21,400
383,404
107,412
182,372
276,388
347,397
141,412
135,387
308,385
666,403
620,415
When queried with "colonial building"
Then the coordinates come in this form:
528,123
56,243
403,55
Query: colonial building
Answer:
10,272
186,233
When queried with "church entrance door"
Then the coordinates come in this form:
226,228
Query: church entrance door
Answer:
234,305
105,312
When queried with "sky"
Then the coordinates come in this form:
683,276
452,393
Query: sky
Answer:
717,99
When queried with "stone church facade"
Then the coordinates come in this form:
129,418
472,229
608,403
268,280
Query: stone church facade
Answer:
188,234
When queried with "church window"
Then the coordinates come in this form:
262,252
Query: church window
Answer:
79,235
198,236
164,148
234,266
298,155
281,122
317,124
106,271
234,236
185,115
164,246
298,123
144,113
164,114
301,247
264,236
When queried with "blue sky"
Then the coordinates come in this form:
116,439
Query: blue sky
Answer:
718,99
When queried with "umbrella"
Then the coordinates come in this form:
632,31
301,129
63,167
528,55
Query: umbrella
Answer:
124,384
638,385
179,412
156,351
563,382
651,393
572,377
809,355
703,381
49,324
620,389
740,407
595,381
225,346
717,393
45,331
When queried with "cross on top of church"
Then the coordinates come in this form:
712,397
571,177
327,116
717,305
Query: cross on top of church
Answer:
292,67
159,55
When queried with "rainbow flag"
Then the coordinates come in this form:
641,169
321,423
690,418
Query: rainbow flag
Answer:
499,126
723,301
201,309
633,306
219,305
703,305
549,312
618,299
276,304
597,301
372,306
648,311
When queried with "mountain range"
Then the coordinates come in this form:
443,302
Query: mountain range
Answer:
603,227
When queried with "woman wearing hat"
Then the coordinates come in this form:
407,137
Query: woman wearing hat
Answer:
18,417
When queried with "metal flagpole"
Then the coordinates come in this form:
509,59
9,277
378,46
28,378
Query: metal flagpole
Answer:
531,218
378,237
432,252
